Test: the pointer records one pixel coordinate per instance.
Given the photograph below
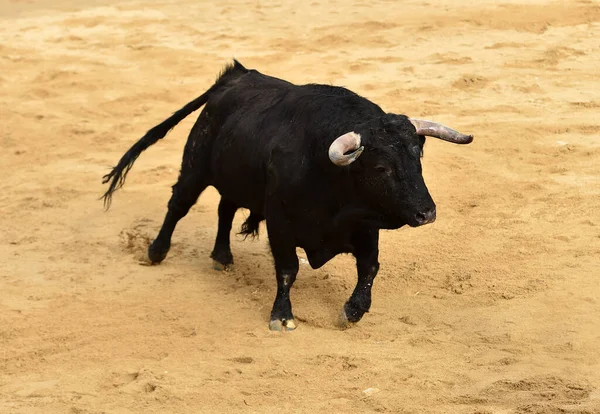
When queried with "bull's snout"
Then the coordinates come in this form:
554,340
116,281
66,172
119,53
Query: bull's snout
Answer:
425,217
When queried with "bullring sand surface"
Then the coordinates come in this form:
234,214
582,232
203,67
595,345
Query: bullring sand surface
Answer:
494,308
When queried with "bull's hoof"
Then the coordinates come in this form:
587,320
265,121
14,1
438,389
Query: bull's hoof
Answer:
282,325
349,316
220,267
222,259
157,253
343,322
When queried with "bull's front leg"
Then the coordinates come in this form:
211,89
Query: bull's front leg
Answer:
283,248
366,250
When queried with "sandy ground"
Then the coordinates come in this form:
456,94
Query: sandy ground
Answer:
494,308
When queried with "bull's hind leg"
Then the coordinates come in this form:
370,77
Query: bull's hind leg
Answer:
185,194
221,253
193,180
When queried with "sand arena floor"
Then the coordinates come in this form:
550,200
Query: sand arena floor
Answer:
494,308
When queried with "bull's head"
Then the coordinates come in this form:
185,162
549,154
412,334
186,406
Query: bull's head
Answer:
386,162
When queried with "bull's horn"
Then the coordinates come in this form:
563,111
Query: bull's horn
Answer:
433,129
347,142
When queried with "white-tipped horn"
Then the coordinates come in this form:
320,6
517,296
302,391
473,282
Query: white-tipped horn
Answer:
436,130
344,143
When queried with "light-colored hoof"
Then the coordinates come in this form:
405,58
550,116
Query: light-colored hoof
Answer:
220,267
282,326
343,322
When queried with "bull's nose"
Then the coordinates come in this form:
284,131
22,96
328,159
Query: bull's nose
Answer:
425,217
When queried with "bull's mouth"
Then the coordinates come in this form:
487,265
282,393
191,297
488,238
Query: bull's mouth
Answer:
392,223
416,224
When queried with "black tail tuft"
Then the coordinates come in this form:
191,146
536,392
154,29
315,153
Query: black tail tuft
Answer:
251,225
117,175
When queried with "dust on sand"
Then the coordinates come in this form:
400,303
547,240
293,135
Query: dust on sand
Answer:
493,308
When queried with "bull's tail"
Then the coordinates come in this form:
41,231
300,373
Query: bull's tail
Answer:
117,175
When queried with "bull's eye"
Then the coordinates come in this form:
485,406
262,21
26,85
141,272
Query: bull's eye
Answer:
416,151
382,169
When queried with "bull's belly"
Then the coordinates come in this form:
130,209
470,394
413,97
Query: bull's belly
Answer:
320,256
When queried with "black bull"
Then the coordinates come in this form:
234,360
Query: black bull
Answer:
325,167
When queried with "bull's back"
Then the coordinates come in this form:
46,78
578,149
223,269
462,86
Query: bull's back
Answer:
258,116
243,137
